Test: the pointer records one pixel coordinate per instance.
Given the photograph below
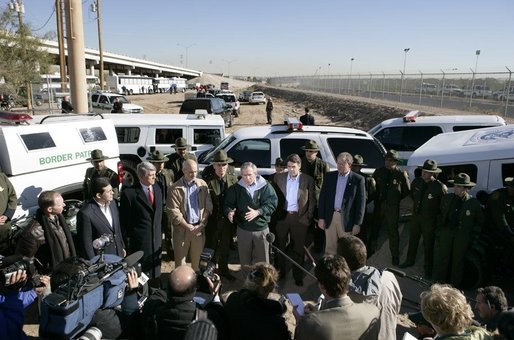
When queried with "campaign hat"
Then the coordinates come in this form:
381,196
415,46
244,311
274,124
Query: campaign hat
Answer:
430,166
358,160
180,143
157,157
221,157
97,155
392,154
463,180
310,146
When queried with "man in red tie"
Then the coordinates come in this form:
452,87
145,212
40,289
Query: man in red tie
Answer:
140,215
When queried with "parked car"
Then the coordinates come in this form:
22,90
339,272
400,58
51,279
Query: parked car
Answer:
211,105
427,88
502,94
244,96
104,101
451,90
479,91
257,98
231,100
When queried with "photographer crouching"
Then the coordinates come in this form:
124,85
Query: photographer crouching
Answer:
18,289
168,313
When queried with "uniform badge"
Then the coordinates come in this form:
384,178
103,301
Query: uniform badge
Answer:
1,189
468,213
430,196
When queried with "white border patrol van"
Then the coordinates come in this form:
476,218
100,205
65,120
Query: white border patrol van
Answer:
408,133
52,154
140,134
486,155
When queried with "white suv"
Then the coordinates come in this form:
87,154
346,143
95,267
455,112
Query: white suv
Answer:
230,99
104,101
257,98
261,145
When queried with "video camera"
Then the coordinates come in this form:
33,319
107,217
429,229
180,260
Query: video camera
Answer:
206,271
88,287
11,264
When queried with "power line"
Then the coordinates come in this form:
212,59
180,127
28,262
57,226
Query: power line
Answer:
46,23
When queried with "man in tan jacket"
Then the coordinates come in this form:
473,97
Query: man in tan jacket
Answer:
189,205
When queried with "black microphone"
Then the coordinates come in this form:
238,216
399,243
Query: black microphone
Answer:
133,258
396,272
270,237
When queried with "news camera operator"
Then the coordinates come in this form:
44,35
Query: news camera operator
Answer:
17,291
168,313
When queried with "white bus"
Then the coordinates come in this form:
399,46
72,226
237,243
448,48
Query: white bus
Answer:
129,84
53,81
164,84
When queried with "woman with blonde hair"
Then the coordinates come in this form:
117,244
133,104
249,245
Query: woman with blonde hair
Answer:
450,314
251,313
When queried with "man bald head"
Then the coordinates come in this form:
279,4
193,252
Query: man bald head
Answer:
190,169
182,281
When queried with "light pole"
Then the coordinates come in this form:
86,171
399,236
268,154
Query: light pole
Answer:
328,76
350,76
95,7
228,65
405,50
187,49
477,53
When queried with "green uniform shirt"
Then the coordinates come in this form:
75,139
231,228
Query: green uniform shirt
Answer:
426,197
392,185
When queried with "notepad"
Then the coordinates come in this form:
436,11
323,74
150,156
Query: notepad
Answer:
297,302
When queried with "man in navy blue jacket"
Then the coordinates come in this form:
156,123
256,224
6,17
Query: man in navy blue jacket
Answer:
342,202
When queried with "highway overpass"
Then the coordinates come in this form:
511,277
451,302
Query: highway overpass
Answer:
121,64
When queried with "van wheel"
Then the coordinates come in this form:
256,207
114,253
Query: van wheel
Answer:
130,175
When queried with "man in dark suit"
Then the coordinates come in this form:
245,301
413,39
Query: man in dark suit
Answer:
140,215
338,318
97,217
342,202
307,118
164,178
296,215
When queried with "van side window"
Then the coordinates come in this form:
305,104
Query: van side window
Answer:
257,151
451,171
364,147
167,136
92,134
457,128
507,170
289,146
38,141
128,134
206,136
407,138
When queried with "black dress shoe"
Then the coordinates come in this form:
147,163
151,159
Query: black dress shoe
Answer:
407,264
299,283
395,260
226,274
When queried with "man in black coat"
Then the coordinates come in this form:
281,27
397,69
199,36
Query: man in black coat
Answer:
141,216
307,118
97,217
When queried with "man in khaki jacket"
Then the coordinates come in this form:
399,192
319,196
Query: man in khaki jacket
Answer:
189,205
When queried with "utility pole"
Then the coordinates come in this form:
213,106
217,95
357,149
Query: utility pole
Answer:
76,54
95,7
17,6
60,43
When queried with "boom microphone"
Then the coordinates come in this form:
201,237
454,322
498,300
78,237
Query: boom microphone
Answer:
396,272
270,237
133,258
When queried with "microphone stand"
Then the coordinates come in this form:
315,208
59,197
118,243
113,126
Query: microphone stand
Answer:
290,259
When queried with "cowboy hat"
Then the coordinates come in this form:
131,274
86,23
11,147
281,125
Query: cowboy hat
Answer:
180,143
157,157
310,146
221,157
430,166
463,180
358,160
96,156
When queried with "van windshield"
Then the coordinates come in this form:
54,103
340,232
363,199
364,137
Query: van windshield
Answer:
207,156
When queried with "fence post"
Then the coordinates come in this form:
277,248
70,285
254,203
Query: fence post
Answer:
442,89
472,87
420,88
508,91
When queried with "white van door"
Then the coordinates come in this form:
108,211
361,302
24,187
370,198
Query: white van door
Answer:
499,169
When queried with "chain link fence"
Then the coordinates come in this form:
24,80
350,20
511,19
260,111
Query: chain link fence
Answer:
476,92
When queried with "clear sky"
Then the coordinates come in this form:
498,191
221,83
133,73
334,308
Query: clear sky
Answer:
297,37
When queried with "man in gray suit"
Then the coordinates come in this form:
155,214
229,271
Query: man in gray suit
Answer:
295,217
97,217
338,318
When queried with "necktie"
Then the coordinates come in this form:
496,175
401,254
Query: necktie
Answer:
150,195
